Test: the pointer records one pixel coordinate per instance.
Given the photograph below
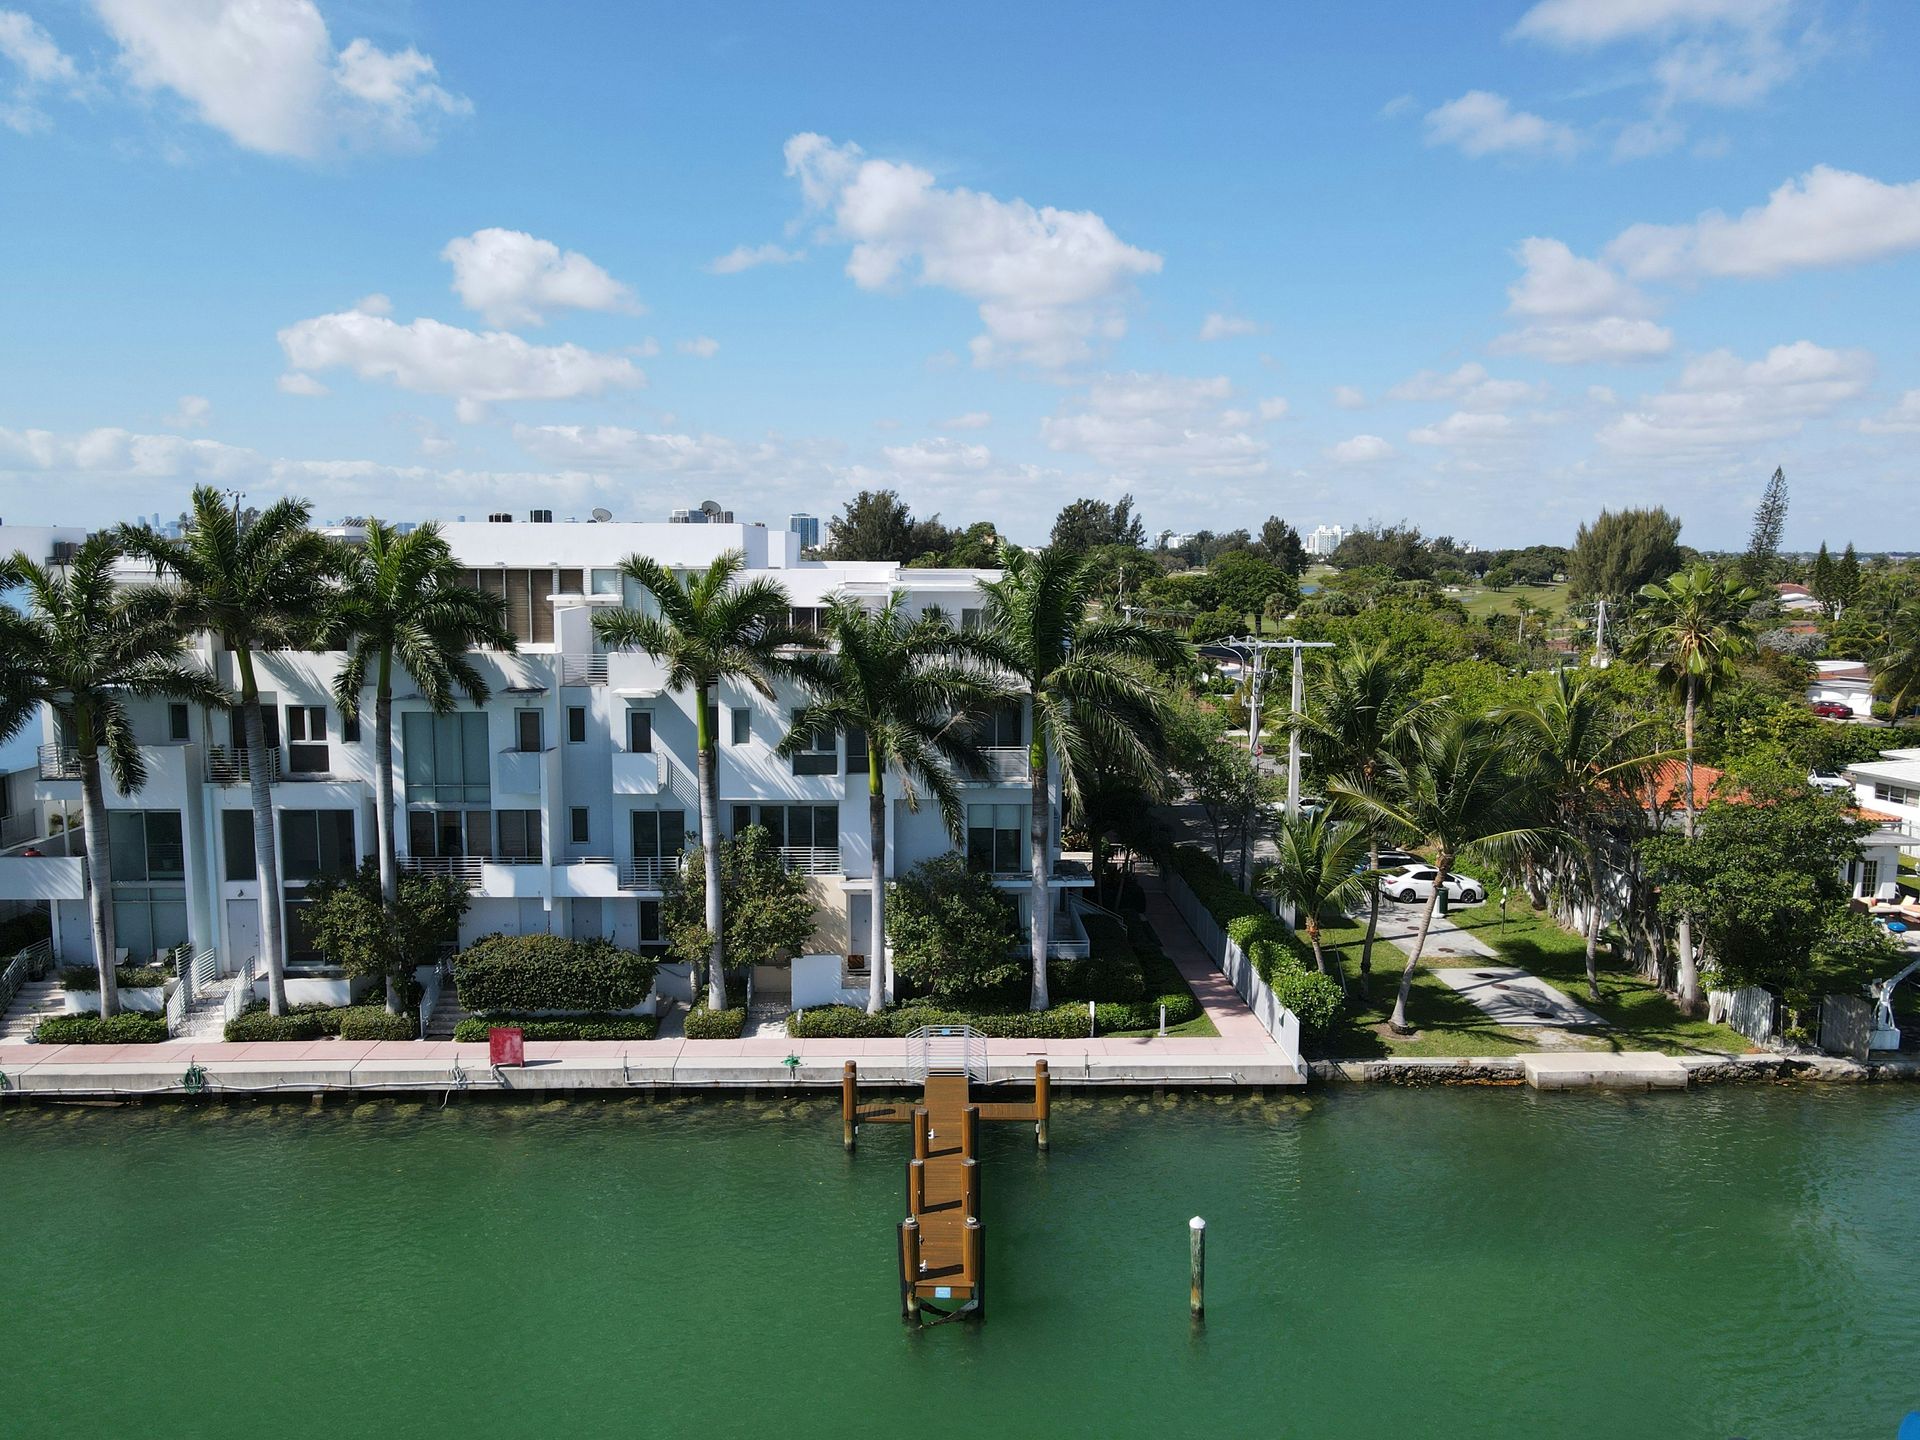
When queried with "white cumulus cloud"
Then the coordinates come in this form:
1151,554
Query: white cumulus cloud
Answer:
747,257
1149,424
1218,326
1360,450
702,347
1049,283
513,278
1902,419
1721,402
192,412
1578,311
1483,123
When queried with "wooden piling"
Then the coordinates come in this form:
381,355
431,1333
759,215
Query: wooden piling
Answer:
849,1102
909,1268
916,1187
1040,1101
970,1131
1197,1266
920,1140
973,1253
970,1180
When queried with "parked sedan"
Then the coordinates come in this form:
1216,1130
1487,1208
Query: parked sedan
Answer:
1415,882
1391,860
1831,710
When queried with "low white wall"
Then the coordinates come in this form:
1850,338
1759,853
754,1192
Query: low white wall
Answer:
816,981
148,1000
1281,1023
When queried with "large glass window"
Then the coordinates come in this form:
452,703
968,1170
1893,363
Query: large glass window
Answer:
528,731
659,834
798,827
148,919
236,837
1003,727
856,751
449,834
818,755
997,838
314,844
520,836
307,739
446,759
146,845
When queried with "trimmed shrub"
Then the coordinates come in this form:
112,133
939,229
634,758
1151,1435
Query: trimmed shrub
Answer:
257,1024
954,935
371,1022
1277,955
127,1028
708,1024
511,974
125,977
1066,1021
473,1029
1314,997
1110,972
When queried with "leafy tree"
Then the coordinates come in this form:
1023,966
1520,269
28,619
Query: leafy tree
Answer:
876,525
370,934
1622,551
1589,762
1246,583
1217,774
1761,563
85,647
897,682
1323,867
404,601
1846,580
953,933
711,630
1897,672
257,586
1089,699
1280,543
1088,524
769,914
1697,624
1212,625
1398,549
1460,787
1820,580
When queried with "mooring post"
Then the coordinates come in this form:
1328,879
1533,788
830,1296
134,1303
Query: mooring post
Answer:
849,1102
973,1255
1040,1102
916,1187
920,1143
970,1180
1197,1280
969,1131
909,1267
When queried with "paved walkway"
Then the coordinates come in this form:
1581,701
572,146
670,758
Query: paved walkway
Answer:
1224,1007
1400,923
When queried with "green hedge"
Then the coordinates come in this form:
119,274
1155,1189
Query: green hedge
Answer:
706,1024
315,1021
127,1028
512,974
1277,955
1111,972
125,977
1066,1021
473,1029
372,1022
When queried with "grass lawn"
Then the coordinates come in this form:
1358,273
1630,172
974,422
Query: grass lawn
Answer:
1446,1023
1481,603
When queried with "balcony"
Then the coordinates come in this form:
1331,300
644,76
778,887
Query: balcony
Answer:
1006,765
465,868
59,762
811,859
583,670
637,772
520,772
648,872
228,766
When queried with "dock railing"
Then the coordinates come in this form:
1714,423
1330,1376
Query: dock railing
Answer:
947,1050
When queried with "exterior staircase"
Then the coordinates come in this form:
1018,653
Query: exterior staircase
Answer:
207,1013
36,1000
447,1014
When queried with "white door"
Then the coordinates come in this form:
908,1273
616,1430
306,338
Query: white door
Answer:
243,934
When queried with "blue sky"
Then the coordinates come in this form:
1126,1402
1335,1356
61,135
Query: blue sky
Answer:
1487,268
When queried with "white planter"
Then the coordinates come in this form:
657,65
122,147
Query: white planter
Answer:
318,990
148,1000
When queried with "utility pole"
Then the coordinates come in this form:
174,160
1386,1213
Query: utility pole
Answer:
1256,649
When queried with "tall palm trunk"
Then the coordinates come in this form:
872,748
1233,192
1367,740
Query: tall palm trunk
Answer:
710,851
877,847
1040,824
1373,912
93,808
1443,867
1689,977
266,861
383,827
1593,921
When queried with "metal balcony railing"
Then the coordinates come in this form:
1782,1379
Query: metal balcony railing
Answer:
583,670
461,867
226,766
648,872
19,829
1006,765
811,859
59,762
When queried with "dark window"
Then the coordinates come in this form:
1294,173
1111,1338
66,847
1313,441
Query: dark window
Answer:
640,731
1002,727
576,724
797,827
997,838
527,730
316,844
658,833
350,729
817,756
856,751
581,831
650,923
446,758
520,835
307,739
236,834
269,726
449,834
146,846
179,725
970,619
742,725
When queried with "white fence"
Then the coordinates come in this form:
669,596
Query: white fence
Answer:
1281,1023
1752,1011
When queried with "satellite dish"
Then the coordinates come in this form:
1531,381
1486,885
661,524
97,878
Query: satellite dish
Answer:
601,514
712,507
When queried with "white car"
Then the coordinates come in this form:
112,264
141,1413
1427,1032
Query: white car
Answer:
1415,882
1830,784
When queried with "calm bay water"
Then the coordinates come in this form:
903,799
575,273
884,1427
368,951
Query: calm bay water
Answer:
1382,1263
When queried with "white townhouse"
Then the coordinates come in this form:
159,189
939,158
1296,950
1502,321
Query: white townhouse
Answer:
1889,786
563,802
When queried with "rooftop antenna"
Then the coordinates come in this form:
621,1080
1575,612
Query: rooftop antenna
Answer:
601,515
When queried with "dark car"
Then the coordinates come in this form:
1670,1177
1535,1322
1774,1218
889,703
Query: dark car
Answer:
1831,710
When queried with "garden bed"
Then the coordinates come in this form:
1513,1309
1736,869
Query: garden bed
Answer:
318,1022
473,1029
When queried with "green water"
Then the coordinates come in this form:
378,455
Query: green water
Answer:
1383,1263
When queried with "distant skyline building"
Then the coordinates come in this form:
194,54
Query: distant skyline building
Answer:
1325,539
707,512
807,527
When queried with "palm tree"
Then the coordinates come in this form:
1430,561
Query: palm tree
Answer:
711,629
1697,625
85,648
1589,760
1360,710
259,584
1084,679
1457,786
1322,867
1898,673
902,683
404,601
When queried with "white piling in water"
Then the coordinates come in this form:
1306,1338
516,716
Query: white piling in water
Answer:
1197,1278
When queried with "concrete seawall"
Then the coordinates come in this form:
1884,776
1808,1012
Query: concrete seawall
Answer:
1628,1071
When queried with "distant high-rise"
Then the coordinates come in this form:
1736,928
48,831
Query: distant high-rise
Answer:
707,512
807,528
1324,540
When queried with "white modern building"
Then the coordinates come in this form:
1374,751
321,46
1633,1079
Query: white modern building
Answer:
1890,785
1845,682
563,803
1324,540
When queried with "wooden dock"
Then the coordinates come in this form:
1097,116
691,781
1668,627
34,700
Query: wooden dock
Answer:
942,1267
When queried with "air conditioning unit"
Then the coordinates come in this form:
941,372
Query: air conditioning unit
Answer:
540,517
500,517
